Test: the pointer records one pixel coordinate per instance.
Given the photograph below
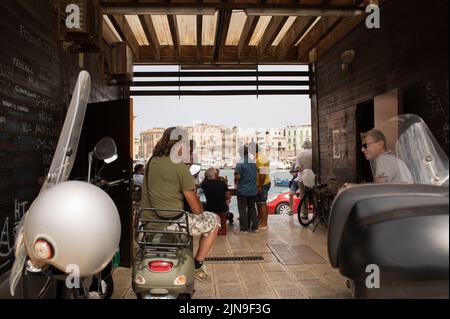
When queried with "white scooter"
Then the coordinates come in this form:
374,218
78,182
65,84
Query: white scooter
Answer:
72,229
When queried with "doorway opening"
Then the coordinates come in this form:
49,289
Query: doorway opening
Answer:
269,106
365,115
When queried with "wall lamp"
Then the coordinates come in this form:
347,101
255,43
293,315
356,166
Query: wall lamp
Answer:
347,58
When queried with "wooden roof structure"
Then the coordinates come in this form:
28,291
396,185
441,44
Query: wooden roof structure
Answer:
229,32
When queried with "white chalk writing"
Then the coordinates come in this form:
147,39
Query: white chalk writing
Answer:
436,101
46,103
445,129
6,240
19,212
27,128
39,43
15,107
24,92
22,66
47,159
42,130
45,146
6,246
46,117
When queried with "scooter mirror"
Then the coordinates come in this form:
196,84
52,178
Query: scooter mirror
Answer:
106,150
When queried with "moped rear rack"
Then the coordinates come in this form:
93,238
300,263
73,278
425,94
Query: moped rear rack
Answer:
144,231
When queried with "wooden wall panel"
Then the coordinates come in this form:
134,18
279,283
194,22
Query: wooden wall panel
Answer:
400,55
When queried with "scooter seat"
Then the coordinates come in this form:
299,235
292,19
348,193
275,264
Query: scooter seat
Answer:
345,202
401,229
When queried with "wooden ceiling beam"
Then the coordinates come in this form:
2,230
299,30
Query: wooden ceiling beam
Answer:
318,32
189,56
271,32
173,25
293,35
199,36
167,8
246,35
149,29
126,33
108,34
222,26
339,32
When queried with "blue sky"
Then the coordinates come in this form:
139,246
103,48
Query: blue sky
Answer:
241,111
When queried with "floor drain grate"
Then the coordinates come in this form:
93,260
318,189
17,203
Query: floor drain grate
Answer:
235,259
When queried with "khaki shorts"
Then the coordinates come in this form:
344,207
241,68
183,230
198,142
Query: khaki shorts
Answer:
202,224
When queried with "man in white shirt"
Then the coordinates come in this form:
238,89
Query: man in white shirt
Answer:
386,167
303,161
304,158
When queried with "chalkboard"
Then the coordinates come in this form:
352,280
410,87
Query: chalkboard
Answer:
429,100
36,78
31,109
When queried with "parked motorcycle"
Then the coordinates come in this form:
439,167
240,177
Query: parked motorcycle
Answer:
72,229
391,240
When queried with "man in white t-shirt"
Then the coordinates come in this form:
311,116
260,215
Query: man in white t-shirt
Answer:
303,161
390,169
387,168
304,158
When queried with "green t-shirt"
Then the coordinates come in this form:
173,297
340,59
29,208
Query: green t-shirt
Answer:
164,184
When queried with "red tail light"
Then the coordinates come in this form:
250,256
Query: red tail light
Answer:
160,266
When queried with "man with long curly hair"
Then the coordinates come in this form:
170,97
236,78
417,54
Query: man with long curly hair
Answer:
168,183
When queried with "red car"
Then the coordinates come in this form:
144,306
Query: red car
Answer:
279,204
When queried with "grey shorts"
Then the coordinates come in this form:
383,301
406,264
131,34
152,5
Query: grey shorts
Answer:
202,224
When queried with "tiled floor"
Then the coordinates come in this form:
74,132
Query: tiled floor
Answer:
295,266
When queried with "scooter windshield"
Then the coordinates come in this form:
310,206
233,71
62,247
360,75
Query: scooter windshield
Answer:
66,150
403,150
